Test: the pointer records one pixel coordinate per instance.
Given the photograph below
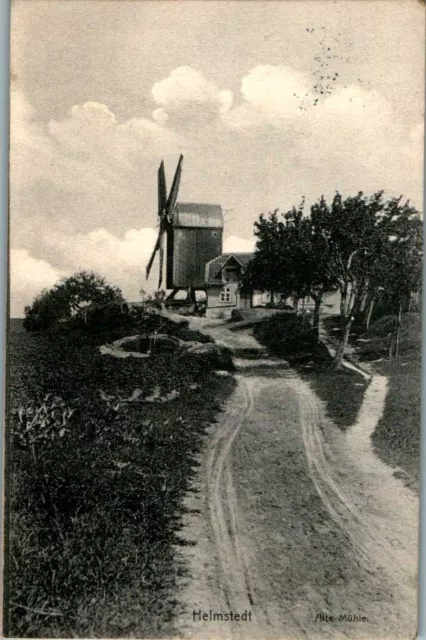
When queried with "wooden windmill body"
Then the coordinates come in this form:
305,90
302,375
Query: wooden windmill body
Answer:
194,233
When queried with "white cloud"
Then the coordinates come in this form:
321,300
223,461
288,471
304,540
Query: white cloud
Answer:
349,138
186,98
186,85
28,277
239,245
121,260
84,171
83,188
276,89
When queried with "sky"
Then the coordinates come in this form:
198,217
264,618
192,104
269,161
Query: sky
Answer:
269,102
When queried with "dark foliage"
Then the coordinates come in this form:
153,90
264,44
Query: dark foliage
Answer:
236,316
291,337
96,484
72,300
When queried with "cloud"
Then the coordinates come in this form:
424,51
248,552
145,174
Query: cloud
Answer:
121,260
285,97
28,277
276,90
235,244
84,171
83,187
350,137
186,98
186,85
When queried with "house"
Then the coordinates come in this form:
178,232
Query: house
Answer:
222,277
330,303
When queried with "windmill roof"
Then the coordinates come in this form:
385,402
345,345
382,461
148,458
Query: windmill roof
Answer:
194,214
214,267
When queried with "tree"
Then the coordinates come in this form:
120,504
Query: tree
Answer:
87,288
289,259
307,272
394,270
71,298
265,272
399,270
47,307
366,240
348,231
356,245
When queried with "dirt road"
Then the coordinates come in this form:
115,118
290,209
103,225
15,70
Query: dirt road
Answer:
293,520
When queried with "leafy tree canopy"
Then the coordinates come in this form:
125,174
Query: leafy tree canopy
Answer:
357,245
71,297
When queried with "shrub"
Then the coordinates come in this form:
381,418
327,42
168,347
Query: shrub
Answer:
214,357
72,297
107,316
236,315
291,337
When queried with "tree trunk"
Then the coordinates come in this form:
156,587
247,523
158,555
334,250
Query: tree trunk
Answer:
398,330
369,314
316,325
363,301
344,337
343,302
391,341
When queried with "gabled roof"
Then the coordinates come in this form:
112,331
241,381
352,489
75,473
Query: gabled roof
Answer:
214,267
193,214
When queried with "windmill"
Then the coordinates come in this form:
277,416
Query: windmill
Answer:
194,237
166,206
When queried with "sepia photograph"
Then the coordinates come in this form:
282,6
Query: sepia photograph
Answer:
214,319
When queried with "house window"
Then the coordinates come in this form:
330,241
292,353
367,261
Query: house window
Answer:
225,294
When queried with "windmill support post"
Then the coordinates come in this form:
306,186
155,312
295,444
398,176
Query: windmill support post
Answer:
172,295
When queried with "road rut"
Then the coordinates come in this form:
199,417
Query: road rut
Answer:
296,518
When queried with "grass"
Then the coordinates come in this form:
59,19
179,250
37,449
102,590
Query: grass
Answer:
396,439
96,485
342,390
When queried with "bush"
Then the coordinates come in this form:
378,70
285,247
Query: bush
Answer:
286,335
107,316
213,357
236,315
73,297
182,331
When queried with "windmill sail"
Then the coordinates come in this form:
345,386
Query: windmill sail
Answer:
165,213
162,190
160,278
174,190
151,260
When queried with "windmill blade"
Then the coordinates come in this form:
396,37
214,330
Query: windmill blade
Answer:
171,201
160,279
151,260
162,189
